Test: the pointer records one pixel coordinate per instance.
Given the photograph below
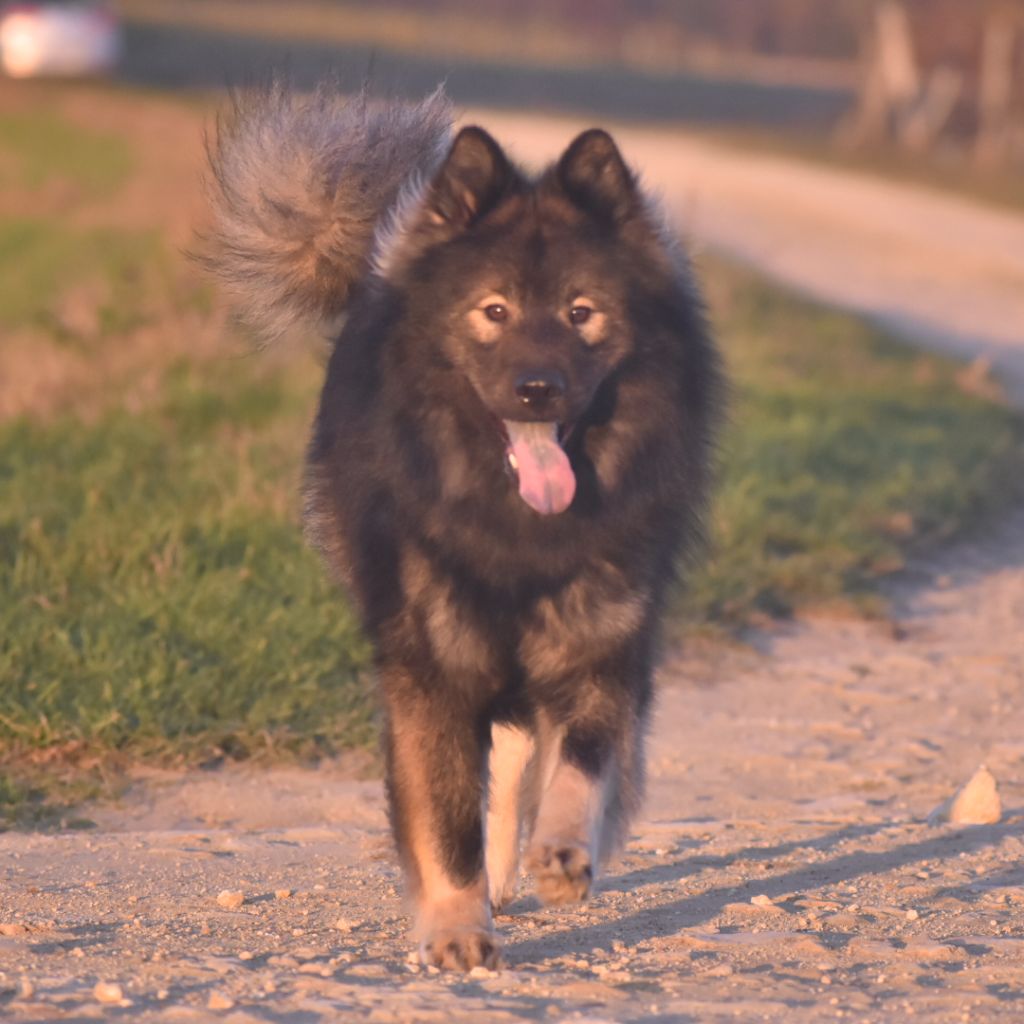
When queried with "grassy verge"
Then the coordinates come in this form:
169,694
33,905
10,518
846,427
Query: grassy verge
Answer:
157,599
846,451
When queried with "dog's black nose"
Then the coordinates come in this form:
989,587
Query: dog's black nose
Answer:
536,388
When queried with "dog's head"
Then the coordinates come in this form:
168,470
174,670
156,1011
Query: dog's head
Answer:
523,288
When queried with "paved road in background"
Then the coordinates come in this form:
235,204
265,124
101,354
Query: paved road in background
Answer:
169,56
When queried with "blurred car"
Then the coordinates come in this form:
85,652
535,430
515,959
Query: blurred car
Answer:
41,39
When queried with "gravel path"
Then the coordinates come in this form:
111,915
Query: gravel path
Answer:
784,869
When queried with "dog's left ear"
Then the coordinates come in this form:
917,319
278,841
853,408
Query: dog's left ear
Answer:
594,176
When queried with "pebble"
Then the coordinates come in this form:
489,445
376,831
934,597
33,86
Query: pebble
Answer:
976,803
219,1001
107,992
282,894
230,898
760,900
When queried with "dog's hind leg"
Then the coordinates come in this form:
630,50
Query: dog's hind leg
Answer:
436,767
594,790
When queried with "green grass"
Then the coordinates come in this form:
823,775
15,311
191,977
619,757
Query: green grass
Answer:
157,599
846,449
154,589
39,147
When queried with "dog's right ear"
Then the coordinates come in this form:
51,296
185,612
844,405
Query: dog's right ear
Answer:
469,183
471,180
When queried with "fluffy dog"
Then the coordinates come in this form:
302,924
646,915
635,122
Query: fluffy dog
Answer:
509,460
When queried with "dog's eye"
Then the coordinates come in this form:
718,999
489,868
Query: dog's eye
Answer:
579,315
496,312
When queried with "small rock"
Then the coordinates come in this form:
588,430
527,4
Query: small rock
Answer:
721,971
107,992
282,894
13,928
481,972
911,914
231,899
26,990
219,1001
162,993
343,924
977,803
760,900
245,955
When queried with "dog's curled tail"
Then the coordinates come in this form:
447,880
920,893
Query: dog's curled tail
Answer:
298,184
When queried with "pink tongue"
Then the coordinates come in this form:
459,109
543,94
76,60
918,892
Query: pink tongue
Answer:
546,482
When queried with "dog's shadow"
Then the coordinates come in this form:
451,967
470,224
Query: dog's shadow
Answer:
669,918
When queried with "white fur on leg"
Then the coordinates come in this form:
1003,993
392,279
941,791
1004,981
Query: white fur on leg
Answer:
511,766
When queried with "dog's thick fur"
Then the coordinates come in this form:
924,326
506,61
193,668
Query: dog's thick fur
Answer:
514,644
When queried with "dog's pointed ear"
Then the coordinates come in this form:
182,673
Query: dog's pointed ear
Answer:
471,180
594,176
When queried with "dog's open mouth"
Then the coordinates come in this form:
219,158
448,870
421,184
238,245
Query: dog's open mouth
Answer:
543,471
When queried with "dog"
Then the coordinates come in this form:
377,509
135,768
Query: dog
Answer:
509,464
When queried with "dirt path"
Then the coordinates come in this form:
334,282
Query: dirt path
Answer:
783,870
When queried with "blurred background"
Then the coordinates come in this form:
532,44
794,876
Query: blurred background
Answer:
156,598
925,76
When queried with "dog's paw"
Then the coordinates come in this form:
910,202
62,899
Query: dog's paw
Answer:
563,872
462,949
500,900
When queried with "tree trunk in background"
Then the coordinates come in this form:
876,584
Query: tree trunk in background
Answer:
891,78
936,70
995,89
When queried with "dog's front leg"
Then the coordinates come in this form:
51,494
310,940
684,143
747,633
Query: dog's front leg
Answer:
436,754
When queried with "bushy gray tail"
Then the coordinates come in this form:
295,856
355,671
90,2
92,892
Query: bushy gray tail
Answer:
298,184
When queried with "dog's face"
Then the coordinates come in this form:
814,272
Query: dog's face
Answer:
523,291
